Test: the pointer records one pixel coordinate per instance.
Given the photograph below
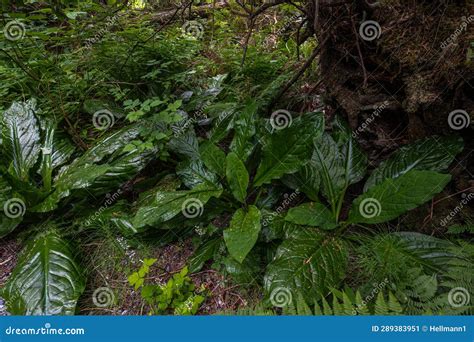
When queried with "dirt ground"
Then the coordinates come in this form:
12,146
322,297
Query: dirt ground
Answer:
220,294
9,249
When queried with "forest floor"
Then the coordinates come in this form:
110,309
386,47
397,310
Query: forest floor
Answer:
221,296
9,250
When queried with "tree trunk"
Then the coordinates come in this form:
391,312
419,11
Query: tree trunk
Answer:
406,63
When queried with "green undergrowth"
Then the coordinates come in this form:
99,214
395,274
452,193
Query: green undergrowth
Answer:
119,137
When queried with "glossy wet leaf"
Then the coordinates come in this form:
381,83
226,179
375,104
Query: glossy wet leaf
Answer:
244,128
116,167
185,144
339,162
430,154
306,180
169,204
286,150
312,214
242,233
80,177
213,158
56,150
47,280
428,248
237,177
63,149
21,137
192,172
354,159
122,169
46,163
308,262
329,164
395,196
107,147
202,254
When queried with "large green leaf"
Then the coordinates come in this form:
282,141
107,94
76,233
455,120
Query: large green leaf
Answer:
213,157
243,232
340,163
185,144
63,149
168,183
223,115
193,172
123,219
21,137
46,163
46,280
80,177
168,204
354,159
312,214
427,248
122,169
244,128
116,167
56,150
327,160
308,262
286,150
275,227
13,208
237,177
306,180
430,154
108,147
202,254
395,196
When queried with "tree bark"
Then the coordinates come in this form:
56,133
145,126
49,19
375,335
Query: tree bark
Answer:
412,62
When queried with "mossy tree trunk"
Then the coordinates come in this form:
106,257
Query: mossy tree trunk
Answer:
411,66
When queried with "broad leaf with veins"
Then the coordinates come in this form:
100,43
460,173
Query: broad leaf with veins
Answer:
430,154
46,280
21,137
287,150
